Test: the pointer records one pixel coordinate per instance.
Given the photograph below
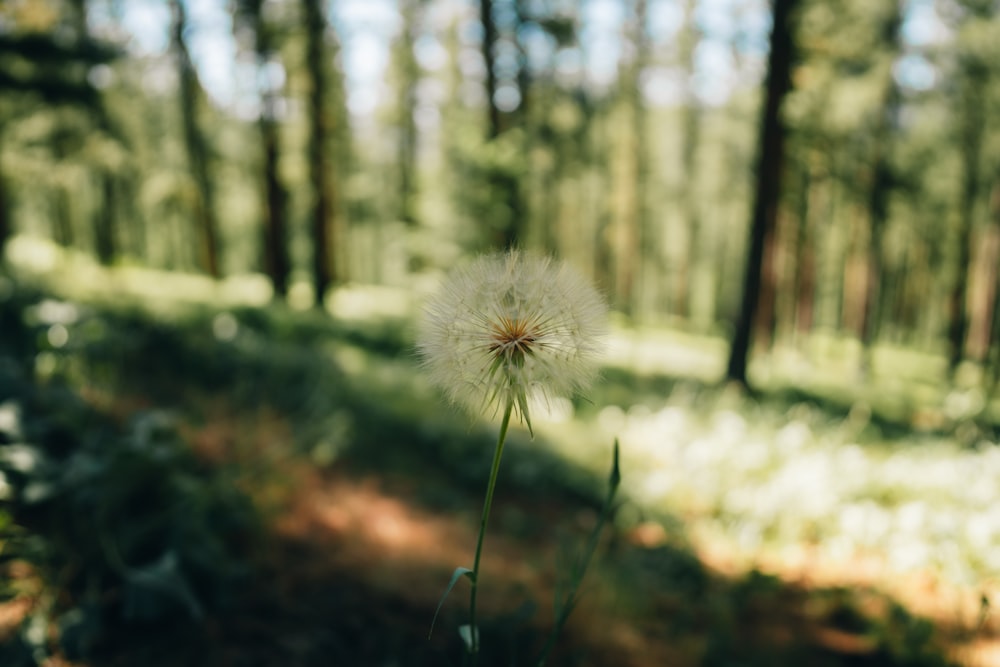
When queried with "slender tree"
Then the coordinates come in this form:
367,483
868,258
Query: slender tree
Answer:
972,127
490,38
191,100
645,239
882,179
993,356
691,115
770,161
631,242
804,277
320,171
276,258
104,219
5,226
408,71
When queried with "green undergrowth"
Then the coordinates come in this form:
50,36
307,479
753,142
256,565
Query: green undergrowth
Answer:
353,397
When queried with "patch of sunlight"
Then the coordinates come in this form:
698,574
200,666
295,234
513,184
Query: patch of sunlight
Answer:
250,289
351,359
831,363
666,352
358,302
769,480
33,254
77,276
76,271
300,295
10,418
153,284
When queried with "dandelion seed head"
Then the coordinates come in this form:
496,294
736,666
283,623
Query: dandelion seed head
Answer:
510,327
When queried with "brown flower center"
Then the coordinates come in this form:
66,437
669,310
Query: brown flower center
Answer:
512,338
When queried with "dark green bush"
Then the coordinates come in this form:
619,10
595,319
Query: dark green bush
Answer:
121,524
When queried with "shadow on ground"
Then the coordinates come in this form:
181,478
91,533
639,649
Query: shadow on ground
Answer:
369,497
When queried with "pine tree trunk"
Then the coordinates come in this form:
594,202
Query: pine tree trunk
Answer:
489,41
323,237
5,226
972,129
277,263
993,337
104,222
275,253
880,189
194,140
407,145
768,187
690,134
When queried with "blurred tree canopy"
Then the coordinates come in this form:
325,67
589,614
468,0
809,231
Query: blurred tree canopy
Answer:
323,143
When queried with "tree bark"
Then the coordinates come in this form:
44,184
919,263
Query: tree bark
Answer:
645,240
104,223
323,236
770,160
697,236
5,226
277,263
972,129
406,147
274,251
882,181
489,41
993,355
191,97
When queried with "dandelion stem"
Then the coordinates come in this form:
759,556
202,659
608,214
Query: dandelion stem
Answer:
487,504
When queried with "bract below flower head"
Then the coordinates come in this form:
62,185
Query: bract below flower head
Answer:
510,327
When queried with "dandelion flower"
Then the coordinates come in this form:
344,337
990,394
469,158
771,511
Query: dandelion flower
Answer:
510,327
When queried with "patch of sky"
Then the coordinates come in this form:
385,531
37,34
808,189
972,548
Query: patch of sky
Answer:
213,47
365,28
147,22
922,26
600,33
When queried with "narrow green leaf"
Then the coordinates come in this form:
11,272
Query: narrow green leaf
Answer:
616,475
455,576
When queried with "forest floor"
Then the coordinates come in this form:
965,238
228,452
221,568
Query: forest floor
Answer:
353,560
354,556
746,533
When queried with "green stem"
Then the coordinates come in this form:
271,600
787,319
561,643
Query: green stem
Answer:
482,529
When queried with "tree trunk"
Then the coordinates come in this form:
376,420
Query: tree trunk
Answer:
690,132
805,256
5,226
409,74
644,238
323,237
973,123
489,42
993,338
881,183
767,193
275,255
277,262
104,222
194,140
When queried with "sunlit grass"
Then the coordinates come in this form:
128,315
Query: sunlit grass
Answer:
821,468
76,276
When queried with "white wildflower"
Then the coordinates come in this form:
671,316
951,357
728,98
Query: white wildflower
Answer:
509,327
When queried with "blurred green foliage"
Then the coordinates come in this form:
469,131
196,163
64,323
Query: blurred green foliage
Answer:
120,523
126,528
